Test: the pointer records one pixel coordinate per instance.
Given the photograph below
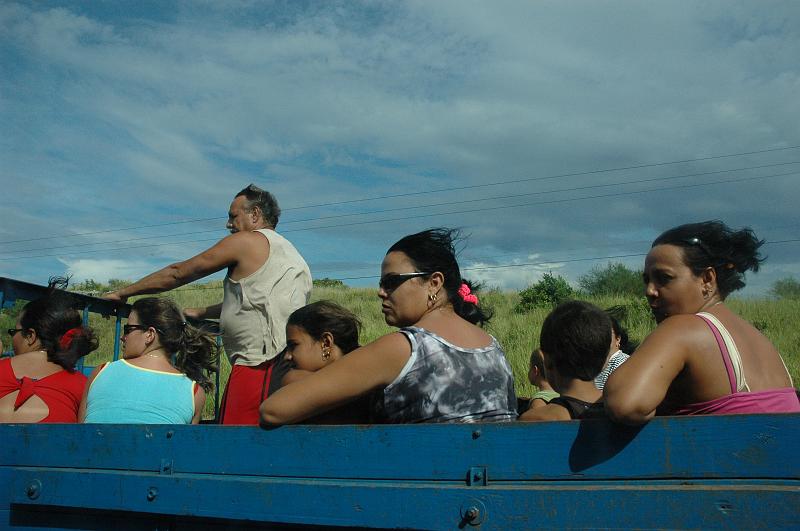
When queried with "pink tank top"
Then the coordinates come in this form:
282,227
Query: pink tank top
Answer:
741,399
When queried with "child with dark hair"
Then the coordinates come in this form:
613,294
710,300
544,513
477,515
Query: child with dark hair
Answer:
40,383
621,347
147,386
439,367
575,340
538,377
702,358
317,335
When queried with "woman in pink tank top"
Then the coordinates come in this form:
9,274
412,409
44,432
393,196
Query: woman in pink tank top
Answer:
700,364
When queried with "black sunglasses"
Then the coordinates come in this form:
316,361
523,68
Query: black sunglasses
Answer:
392,281
12,331
127,329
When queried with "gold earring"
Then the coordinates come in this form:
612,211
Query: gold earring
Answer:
326,353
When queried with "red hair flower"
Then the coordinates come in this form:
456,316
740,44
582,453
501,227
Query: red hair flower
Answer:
66,339
467,294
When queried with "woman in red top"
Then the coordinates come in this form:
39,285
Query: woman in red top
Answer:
40,384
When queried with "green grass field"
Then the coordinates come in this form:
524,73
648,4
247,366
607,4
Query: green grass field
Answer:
517,332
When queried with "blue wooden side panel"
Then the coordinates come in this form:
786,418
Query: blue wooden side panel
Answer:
730,472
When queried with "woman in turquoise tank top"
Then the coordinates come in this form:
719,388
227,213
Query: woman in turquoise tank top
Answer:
146,386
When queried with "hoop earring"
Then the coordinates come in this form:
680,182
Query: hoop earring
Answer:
326,353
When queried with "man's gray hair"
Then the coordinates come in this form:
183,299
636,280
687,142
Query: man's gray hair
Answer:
264,201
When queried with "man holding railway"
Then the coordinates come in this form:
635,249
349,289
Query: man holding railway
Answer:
267,280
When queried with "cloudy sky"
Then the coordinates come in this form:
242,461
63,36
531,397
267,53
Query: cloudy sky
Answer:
559,136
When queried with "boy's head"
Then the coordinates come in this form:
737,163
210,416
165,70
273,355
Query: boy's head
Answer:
536,372
575,340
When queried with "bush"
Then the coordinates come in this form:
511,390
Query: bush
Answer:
613,279
548,292
328,283
786,288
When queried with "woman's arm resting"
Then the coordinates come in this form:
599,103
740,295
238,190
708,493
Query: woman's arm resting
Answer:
638,386
372,366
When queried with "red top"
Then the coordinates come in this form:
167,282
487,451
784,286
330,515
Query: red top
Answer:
60,391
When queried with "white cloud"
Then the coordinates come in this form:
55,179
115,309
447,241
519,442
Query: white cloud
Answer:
129,120
101,270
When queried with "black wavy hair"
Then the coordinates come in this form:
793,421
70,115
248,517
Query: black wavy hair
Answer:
195,351
433,250
575,339
326,316
713,244
51,317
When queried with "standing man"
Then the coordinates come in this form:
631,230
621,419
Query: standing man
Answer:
267,280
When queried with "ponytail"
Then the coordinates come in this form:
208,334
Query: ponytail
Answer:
195,351
58,326
74,344
467,306
196,355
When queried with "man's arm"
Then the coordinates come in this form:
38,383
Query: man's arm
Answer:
224,254
209,312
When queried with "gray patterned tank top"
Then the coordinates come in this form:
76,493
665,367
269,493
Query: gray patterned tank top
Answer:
442,382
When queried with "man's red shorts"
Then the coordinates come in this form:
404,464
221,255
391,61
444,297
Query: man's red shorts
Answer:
247,388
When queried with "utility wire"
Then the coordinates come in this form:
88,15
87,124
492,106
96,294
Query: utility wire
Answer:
405,218
506,266
426,192
431,205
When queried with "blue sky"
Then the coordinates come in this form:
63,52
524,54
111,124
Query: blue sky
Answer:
127,127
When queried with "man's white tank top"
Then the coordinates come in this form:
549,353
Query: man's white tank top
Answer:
255,308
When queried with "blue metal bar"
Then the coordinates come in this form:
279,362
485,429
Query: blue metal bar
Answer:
117,336
708,472
85,319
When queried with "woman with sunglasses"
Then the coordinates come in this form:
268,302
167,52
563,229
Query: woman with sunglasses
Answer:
40,383
702,358
163,376
439,367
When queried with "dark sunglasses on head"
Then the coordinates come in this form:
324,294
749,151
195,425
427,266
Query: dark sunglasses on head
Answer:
12,331
392,281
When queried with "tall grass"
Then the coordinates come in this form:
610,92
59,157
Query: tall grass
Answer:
517,332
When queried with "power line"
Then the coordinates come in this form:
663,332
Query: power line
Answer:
426,192
431,205
386,220
506,266
572,174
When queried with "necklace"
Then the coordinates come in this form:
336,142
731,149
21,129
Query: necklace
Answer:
151,355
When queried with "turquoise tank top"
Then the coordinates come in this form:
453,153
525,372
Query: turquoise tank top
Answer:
126,394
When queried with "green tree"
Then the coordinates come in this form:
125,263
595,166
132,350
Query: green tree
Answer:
786,288
114,284
548,292
613,279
